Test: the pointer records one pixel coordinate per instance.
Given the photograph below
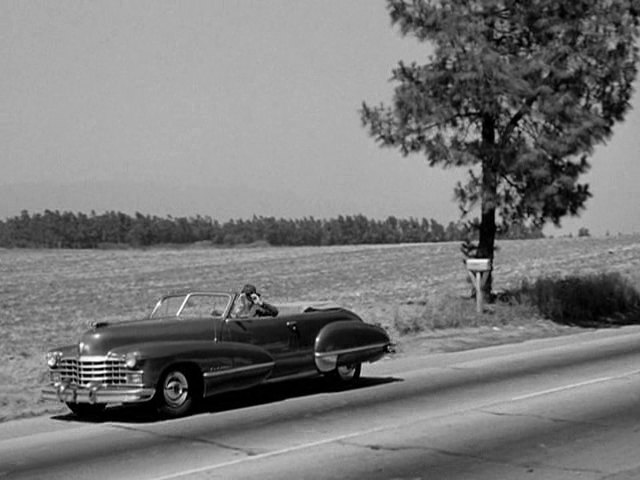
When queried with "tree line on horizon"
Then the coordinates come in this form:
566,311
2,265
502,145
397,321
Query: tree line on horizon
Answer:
55,229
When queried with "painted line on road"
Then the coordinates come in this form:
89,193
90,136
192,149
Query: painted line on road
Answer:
574,385
262,456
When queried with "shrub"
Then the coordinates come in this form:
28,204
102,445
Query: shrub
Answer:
596,300
456,312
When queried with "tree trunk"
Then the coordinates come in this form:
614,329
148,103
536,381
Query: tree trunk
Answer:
487,232
486,243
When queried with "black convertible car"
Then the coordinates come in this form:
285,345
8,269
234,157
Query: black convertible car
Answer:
193,345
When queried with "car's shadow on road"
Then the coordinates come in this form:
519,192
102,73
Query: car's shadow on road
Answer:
259,395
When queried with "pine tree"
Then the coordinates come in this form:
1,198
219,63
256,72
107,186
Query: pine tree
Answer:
518,92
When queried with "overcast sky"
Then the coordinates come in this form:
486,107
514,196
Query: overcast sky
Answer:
234,108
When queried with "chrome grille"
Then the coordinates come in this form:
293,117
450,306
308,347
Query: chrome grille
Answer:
83,370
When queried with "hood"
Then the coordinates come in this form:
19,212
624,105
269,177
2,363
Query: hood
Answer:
104,337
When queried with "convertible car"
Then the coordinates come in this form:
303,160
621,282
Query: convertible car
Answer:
193,346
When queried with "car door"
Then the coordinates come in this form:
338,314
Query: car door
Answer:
275,334
306,327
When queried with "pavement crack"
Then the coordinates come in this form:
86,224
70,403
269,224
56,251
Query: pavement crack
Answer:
540,417
250,452
527,466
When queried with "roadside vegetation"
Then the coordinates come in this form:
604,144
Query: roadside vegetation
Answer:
591,301
596,300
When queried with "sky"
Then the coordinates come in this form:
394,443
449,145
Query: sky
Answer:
230,109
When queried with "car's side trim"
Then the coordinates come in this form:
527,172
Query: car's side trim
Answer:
350,350
294,376
248,368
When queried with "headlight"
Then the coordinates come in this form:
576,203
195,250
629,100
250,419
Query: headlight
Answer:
53,358
131,360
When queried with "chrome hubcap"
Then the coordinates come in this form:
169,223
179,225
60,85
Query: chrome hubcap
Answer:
347,372
176,389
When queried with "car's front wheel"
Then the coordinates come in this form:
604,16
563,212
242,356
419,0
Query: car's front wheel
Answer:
176,395
86,409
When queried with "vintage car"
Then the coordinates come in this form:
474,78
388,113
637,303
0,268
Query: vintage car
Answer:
193,346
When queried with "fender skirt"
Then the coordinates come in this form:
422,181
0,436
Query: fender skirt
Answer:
349,342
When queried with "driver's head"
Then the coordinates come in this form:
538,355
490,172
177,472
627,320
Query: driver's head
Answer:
248,290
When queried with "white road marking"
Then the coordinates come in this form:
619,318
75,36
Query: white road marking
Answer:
574,385
261,456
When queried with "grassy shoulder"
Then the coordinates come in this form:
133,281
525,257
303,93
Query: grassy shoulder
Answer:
452,324
548,306
469,338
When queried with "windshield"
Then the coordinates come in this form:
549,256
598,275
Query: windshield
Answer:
192,305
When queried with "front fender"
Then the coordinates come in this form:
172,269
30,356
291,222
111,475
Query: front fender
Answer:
217,361
66,350
349,342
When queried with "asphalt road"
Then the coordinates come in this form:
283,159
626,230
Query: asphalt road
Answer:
549,409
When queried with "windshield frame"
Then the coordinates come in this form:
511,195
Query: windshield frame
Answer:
180,310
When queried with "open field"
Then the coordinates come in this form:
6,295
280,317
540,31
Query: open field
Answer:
47,297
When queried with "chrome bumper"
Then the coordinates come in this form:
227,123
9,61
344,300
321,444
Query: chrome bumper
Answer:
64,392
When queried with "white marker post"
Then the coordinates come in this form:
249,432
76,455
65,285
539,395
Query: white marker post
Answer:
478,270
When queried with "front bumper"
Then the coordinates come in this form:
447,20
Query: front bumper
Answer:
94,393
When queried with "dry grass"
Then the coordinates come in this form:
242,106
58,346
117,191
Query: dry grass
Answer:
48,297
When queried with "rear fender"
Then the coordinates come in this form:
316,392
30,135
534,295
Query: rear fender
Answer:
347,343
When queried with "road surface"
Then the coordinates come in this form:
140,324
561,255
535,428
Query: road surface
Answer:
561,408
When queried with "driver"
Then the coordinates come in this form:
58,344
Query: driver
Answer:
251,304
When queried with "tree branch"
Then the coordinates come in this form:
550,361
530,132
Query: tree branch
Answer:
513,123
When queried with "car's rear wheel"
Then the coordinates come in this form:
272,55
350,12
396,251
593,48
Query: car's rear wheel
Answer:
86,409
346,374
177,392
